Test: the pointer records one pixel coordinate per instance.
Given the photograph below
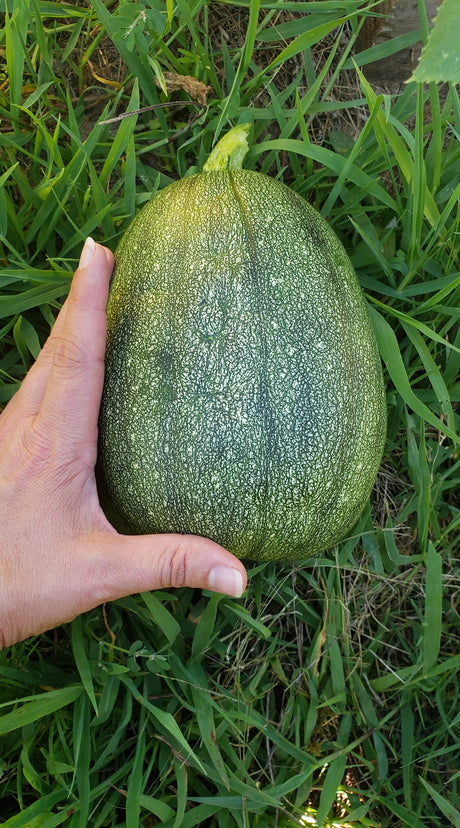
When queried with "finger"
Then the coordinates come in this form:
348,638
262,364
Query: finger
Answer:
30,395
75,362
28,398
119,565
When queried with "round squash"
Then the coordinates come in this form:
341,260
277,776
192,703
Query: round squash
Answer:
243,395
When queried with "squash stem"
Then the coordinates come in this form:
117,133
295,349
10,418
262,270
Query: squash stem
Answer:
229,152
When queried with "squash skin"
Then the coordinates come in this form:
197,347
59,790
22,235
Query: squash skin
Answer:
243,396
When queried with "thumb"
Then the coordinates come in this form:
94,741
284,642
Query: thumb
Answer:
128,564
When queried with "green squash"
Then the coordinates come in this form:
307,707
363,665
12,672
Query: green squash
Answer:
243,395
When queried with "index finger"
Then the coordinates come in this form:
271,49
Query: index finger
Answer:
30,395
74,374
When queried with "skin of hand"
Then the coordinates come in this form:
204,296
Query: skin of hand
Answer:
59,555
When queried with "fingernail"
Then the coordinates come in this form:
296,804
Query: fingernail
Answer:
88,252
227,580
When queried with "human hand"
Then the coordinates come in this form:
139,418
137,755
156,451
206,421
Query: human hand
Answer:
59,555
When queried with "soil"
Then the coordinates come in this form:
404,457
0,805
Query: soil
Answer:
391,73
396,17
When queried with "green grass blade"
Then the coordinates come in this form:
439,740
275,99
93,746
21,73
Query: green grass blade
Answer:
181,788
50,9
10,305
42,705
135,783
420,475
81,659
138,67
204,707
350,159
15,27
44,44
306,40
370,717
4,177
334,774
161,616
247,619
166,722
452,369
418,185
32,815
391,355
130,177
330,160
27,341
82,758
452,283
432,621
433,373
385,49
405,817
434,152
154,806
401,154
205,630
446,808
233,97
412,321
123,136
407,750
364,227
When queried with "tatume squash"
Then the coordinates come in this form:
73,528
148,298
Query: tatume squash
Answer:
243,395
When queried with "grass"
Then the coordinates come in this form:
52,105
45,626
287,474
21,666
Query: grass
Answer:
330,694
